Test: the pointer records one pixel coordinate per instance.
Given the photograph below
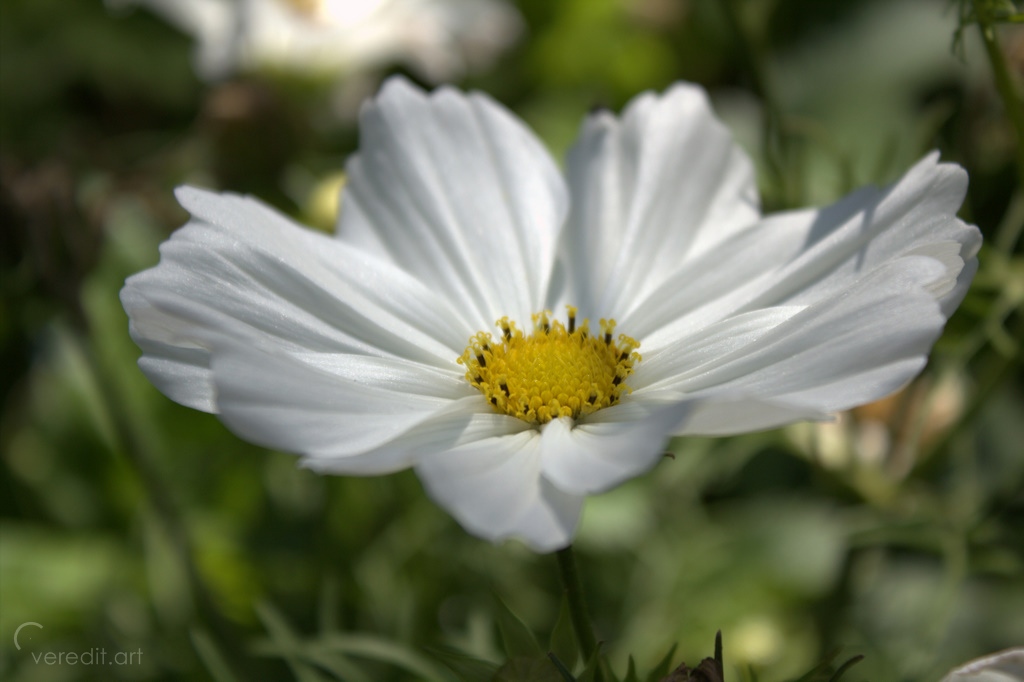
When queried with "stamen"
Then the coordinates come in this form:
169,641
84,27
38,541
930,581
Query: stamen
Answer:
556,371
607,326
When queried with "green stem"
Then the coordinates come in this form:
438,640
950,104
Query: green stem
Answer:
570,577
130,444
1004,82
775,141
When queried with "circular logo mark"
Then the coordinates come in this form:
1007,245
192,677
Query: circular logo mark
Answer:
16,645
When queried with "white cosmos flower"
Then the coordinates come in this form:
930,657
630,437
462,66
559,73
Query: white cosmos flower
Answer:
439,39
357,351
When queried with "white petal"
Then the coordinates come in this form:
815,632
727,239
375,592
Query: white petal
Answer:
805,256
461,422
664,182
459,193
333,410
1005,666
494,488
178,367
664,366
239,269
851,349
550,524
712,288
611,446
735,414
916,216
887,316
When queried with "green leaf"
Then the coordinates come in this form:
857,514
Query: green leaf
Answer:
631,671
563,640
562,669
662,668
819,671
380,649
211,656
846,666
327,613
528,669
286,643
466,668
338,666
519,641
595,663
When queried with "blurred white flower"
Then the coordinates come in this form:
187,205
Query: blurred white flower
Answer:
438,39
419,338
886,435
1005,666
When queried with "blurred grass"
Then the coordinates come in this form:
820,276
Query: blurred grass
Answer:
128,522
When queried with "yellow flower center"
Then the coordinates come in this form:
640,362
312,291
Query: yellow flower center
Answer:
554,372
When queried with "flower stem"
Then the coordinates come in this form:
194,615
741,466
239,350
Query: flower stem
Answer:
776,145
130,444
570,577
1012,101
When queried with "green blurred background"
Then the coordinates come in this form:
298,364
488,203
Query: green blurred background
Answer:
131,524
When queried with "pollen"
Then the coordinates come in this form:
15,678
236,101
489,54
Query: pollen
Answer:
555,371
